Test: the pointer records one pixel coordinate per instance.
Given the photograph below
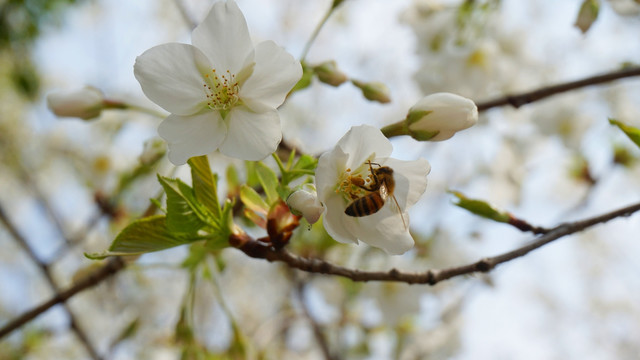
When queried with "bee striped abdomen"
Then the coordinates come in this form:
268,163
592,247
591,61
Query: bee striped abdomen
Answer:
366,205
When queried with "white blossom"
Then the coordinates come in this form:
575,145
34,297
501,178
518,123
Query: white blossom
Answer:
336,184
222,92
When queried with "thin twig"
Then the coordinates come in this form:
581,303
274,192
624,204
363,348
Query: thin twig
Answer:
518,100
46,271
318,333
257,249
112,266
316,31
185,14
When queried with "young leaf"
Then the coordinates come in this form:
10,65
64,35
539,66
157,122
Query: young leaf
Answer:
204,184
269,181
233,181
220,238
252,200
480,208
306,162
184,215
631,132
143,236
587,15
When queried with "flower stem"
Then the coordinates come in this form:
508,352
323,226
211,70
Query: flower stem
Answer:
395,129
114,104
316,31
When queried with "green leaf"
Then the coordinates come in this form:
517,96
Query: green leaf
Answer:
252,200
204,184
481,208
143,236
233,180
305,165
632,132
127,332
292,156
219,239
252,176
306,162
184,215
269,181
587,15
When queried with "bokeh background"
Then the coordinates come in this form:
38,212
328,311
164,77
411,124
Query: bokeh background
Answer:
549,162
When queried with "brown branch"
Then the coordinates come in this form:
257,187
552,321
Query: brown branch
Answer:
518,100
257,249
46,271
112,266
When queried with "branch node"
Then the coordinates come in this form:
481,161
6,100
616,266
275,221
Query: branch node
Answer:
484,265
431,277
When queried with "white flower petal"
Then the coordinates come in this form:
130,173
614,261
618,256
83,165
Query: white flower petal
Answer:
223,36
330,165
386,230
275,73
195,135
410,178
251,136
338,224
170,76
362,141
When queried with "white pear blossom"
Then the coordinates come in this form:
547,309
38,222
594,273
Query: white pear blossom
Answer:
306,203
442,114
86,103
222,92
336,184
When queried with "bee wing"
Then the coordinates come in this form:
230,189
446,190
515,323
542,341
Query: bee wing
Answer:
384,192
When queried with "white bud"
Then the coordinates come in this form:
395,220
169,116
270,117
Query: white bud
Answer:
153,151
625,7
307,204
439,116
86,103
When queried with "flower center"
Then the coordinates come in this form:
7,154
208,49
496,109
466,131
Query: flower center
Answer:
221,90
350,182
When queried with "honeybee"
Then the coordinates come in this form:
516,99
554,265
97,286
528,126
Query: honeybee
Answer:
380,190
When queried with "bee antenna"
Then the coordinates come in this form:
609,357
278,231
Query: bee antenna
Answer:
401,216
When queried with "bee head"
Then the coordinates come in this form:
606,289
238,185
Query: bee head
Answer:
384,170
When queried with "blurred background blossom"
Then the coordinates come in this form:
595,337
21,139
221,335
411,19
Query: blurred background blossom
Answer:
551,161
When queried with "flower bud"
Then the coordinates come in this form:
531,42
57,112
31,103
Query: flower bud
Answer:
374,91
626,7
439,116
307,204
86,103
329,73
154,149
